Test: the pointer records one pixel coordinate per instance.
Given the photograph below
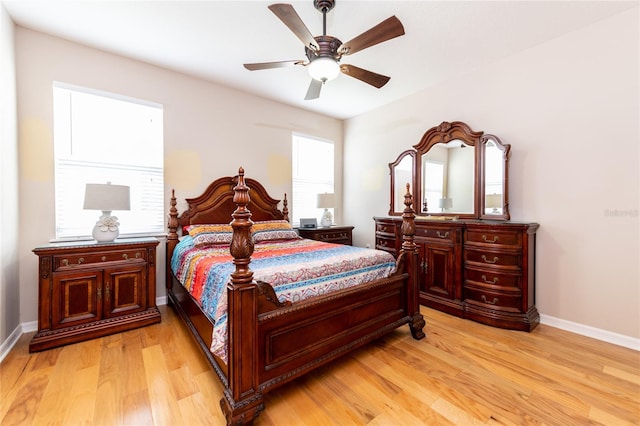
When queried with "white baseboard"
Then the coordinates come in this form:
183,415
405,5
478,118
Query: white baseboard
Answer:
584,330
9,343
588,331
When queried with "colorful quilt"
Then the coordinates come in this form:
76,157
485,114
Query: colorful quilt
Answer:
296,268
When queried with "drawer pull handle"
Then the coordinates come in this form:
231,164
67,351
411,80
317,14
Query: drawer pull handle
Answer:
424,266
65,262
137,255
445,235
484,278
382,243
81,261
487,240
484,299
103,258
125,256
495,259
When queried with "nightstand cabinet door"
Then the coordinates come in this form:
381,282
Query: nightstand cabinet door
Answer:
77,298
124,291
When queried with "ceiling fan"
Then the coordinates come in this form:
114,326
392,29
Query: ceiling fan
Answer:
324,52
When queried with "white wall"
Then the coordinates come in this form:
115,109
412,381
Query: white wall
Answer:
570,110
9,218
209,131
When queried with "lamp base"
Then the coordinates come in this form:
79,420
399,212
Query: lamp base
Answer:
327,219
106,229
104,236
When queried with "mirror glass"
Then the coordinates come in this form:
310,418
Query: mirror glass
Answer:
493,179
448,178
402,174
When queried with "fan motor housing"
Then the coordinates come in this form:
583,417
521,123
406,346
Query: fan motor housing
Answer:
327,48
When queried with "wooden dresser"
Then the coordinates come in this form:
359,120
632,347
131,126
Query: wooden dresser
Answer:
89,289
333,234
476,269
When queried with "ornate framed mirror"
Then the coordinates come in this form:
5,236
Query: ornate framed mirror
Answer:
402,171
495,161
456,172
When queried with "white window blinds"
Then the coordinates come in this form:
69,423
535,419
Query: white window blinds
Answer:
100,138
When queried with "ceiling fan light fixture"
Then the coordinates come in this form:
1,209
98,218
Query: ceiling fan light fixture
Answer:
324,69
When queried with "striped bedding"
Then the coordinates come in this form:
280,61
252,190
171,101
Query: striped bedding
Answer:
296,268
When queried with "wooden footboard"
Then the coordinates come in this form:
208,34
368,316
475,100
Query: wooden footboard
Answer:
272,343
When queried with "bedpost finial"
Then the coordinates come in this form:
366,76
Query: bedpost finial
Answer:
241,247
408,223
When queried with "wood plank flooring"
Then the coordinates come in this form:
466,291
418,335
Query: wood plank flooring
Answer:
463,373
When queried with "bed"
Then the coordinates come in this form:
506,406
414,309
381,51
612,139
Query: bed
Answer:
270,341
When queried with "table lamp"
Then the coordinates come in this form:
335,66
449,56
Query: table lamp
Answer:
326,201
106,197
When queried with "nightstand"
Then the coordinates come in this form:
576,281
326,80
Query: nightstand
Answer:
89,289
333,234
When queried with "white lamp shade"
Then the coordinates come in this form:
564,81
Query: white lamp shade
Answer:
324,69
106,197
493,201
326,200
445,203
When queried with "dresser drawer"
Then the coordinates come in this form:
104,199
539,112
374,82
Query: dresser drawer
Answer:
493,259
87,258
387,244
388,229
494,238
492,280
493,299
441,234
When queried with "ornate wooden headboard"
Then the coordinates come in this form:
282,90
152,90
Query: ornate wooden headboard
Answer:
215,205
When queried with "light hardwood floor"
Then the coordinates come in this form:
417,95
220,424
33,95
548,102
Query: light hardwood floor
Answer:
461,373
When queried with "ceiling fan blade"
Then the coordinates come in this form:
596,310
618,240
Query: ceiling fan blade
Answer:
313,92
385,30
291,19
376,80
269,65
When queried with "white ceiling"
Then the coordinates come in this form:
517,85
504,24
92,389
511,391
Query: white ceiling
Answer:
212,39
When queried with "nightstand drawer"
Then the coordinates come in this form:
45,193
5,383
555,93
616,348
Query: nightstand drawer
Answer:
334,234
83,259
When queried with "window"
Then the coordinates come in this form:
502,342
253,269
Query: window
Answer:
100,138
312,175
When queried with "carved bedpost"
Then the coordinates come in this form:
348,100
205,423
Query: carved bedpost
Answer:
242,402
172,237
410,250
285,209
